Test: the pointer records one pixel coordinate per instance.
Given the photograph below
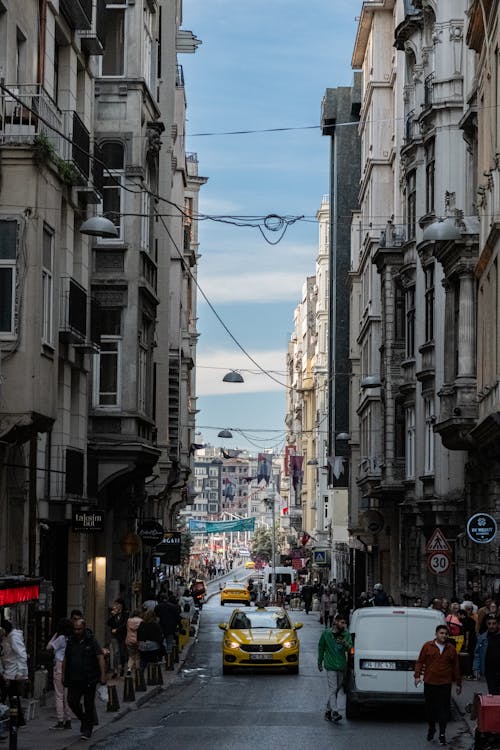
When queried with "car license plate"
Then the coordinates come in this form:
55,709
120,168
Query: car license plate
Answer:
256,657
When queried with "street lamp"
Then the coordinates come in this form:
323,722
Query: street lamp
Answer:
269,501
225,434
99,226
233,377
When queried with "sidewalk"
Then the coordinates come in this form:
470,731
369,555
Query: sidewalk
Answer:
466,698
38,733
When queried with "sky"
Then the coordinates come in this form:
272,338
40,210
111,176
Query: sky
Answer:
262,64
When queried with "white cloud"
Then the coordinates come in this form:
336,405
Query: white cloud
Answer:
213,364
271,286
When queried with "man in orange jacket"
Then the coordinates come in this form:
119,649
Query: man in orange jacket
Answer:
438,666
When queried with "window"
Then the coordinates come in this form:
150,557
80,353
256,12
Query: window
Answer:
429,176
410,442
8,251
399,429
410,322
429,436
148,48
113,158
107,386
429,303
399,311
113,59
411,204
47,285
144,366
146,219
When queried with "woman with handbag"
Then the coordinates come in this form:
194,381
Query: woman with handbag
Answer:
57,644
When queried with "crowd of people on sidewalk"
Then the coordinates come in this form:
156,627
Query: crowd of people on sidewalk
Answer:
466,644
135,640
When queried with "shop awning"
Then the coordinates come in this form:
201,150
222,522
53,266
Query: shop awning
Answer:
17,589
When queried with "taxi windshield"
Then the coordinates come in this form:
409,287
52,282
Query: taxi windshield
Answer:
243,621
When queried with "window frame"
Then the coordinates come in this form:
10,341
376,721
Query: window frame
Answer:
10,265
48,289
117,181
430,290
429,439
116,7
410,453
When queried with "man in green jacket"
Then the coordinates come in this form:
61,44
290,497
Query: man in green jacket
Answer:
333,648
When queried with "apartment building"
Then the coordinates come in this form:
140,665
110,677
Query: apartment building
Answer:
415,168
94,331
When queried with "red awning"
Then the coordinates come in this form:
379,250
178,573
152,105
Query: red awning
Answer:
17,590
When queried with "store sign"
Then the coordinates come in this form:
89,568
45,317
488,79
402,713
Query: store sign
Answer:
169,549
481,528
151,533
86,521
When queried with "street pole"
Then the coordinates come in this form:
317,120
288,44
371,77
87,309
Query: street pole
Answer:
273,553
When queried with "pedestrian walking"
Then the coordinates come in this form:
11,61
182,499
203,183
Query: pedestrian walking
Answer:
14,665
438,667
380,597
132,646
333,648
307,595
57,644
83,668
169,615
117,622
149,639
487,655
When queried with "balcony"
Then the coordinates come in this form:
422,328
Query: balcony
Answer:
73,315
78,13
26,111
94,35
76,150
458,413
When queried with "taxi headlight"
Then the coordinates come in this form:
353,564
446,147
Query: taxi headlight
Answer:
289,644
231,644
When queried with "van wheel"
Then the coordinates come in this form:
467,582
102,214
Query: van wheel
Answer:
352,710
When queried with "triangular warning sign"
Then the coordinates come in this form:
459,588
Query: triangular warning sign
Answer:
437,542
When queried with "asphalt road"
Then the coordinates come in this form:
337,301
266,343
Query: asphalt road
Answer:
246,710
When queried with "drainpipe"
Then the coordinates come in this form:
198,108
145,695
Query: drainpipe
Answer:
42,30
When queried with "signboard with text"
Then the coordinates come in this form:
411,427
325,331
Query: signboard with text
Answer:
169,549
87,521
481,528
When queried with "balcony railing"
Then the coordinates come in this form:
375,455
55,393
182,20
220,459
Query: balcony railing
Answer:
94,36
410,127
27,112
77,148
394,235
73,325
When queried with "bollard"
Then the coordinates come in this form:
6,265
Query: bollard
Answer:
128,689
140,683
169,660
176,652
113,704
13,714
159,674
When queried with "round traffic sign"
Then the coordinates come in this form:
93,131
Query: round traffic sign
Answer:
438,563
481,528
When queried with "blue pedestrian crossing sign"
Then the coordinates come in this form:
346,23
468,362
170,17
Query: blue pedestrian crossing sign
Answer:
320,556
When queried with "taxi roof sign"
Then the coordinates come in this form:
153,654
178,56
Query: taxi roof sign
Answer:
437,542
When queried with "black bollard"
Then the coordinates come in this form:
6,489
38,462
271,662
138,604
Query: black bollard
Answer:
128,689
151,674
140,683
113,704
169,660
13,714
176,652
159,674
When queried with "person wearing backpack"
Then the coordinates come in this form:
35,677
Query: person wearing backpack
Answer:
333,649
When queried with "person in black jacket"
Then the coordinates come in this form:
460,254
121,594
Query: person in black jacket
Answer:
169,614
83,668
117,622
149,639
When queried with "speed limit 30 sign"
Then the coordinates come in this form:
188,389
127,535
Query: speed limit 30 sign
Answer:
438,563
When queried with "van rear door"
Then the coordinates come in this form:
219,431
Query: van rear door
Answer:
421,628
380,641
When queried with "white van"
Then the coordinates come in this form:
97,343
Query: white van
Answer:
285,576
386,644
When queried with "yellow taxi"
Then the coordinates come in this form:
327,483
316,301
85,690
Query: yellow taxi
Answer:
249,565
261,637
235,592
